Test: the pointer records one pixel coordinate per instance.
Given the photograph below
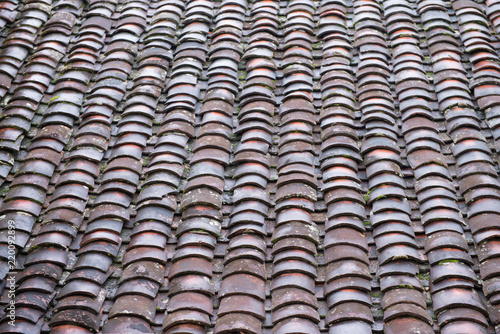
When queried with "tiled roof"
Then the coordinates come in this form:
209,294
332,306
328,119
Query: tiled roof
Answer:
195,166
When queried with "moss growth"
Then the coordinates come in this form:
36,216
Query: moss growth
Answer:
242,75
318,45
34,248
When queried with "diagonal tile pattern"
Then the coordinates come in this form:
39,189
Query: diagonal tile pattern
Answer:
196,166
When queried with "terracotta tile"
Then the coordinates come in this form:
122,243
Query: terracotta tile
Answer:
277,168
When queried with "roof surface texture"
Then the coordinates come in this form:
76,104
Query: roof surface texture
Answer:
228,166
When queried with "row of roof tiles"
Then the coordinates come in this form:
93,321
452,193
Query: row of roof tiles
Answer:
82,115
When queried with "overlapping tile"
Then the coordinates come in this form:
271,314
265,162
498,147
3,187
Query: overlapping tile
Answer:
451,274
248,118
190,307
20,40
295,235
347,282
398,255
144,266
44,154
8,12
476,37
476,174
111,209
244,266
39,72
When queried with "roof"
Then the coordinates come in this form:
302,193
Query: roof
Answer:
199,166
